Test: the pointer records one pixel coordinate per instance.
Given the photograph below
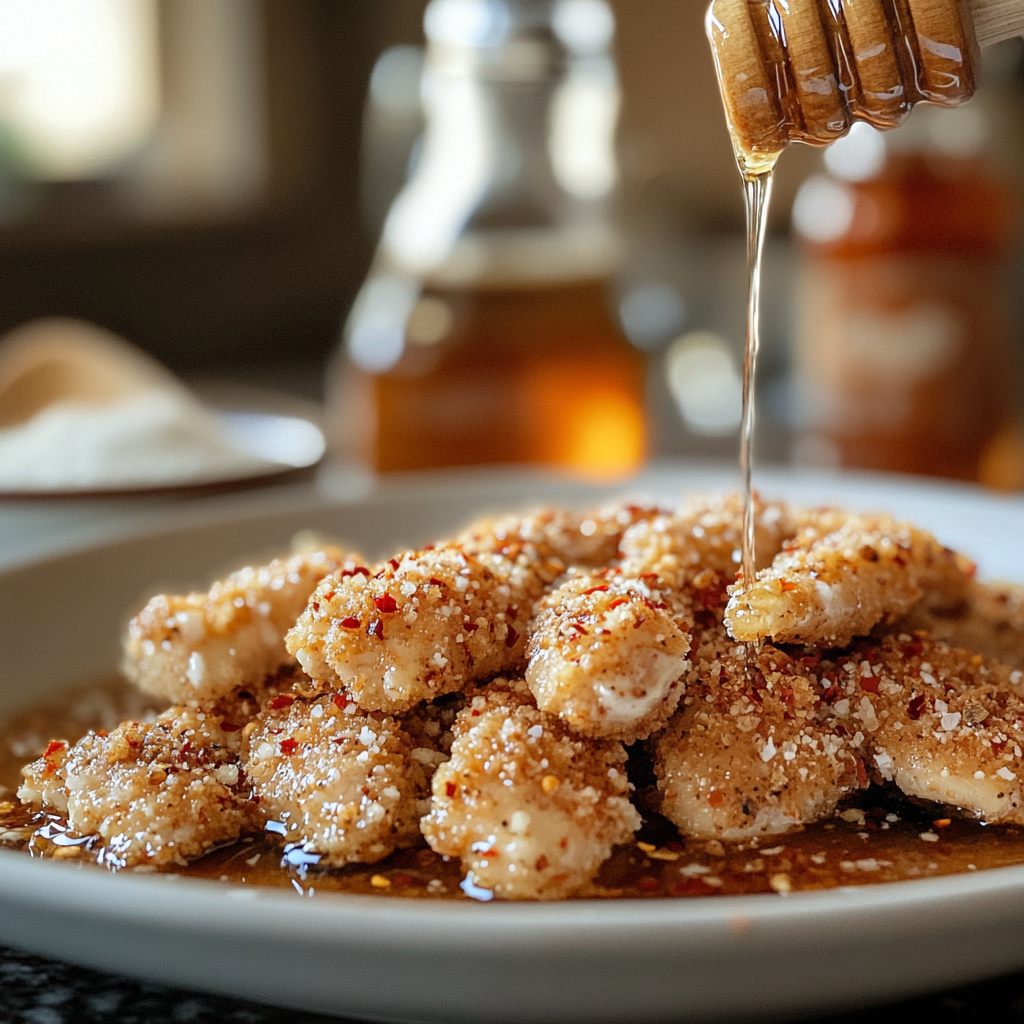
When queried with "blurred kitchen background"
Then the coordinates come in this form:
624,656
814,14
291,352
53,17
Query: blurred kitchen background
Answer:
210,179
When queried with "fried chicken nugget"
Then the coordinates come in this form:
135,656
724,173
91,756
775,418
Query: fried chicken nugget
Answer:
944,724
606,656
427,623
198,647
753,751
695,552
830,584
532,811
340,782
154,793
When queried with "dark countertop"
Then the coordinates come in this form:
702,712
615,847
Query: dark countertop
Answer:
34,990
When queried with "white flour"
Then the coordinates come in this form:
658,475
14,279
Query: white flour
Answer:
153,439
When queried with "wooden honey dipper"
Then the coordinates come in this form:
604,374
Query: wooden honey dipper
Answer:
805,70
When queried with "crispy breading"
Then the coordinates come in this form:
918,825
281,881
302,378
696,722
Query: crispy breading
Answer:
696,552
829,584
155,793
944,724
427,623
753,750
338,781
197,647
531,811
607,656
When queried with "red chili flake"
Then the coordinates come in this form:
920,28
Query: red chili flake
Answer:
899,560
511,637
435,582
450,788
186,747
915,707
329,596
470,627
386,604
869,684
580,631
788,585
285,700
830,694
912,650
359,570
340,701
648,884
53,747
376,628
134,743
594,590
716,799
227,726
841,730
542,863
618,601
350,623
289,746
474,713
862,774
103,734
316,606
394,563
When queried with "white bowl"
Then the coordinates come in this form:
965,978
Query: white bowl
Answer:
687,959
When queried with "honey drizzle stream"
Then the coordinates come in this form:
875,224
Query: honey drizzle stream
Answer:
757,190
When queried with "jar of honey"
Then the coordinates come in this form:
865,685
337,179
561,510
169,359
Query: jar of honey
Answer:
483,333
903,304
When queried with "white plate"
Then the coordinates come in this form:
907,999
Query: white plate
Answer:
402,960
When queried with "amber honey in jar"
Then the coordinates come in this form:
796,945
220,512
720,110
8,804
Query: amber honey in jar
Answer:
483,333
903,350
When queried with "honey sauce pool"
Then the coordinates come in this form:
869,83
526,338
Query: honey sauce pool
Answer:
882,837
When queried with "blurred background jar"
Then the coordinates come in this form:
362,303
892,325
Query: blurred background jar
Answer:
483,332
904,307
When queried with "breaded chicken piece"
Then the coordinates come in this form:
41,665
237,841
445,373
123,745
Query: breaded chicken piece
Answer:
829,585
154,793
427,623
198,647
606,656
988,619
944,724
531,811
696,552
580,539
754,750
429,727
338,781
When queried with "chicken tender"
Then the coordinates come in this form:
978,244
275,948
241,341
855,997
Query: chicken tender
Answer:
754,750
695,553
579,539
198,647
153,793
607,657
339,782
829,585
988,619
427,623
944,724
531,811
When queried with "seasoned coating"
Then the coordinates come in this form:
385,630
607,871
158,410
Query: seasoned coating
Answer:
988,619
339,782
829,584
531,811
944,724
154,793
754,750
198,647
606,656
429,727
427,623
581,539
696,552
